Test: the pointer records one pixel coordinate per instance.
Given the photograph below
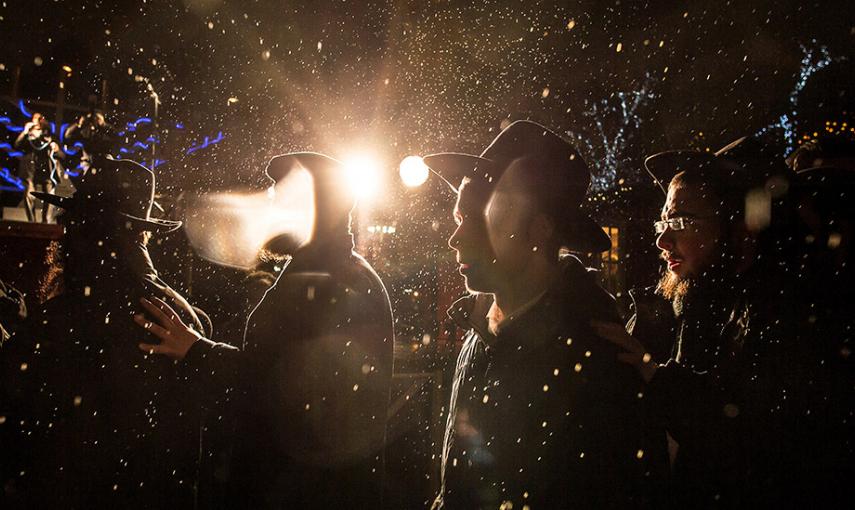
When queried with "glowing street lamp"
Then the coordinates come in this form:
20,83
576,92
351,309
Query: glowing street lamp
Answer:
363,175
413,171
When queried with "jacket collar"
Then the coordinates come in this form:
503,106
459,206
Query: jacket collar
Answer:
470,312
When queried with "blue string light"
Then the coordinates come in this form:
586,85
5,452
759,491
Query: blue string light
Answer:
17,184
24,109
207,142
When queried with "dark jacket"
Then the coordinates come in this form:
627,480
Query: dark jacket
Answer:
102,425
314,377
542,414
653,323
745,398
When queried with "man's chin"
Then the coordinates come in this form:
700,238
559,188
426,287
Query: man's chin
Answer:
476,285
672,285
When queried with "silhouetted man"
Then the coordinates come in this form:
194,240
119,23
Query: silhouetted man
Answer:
102,425
315,370
541,413
743,394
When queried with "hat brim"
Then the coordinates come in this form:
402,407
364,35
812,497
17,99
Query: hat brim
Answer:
59,201
452,167
156,224
663,166
68,203
584,235
316,163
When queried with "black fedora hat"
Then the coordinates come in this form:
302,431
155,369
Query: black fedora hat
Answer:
560,173
321,166
328,176
118,187
741,164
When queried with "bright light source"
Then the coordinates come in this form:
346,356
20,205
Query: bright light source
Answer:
363,175
67,69
413,171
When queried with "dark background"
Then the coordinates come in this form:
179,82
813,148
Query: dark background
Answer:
414,76
622,79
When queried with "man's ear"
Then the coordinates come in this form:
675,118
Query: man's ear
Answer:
541,229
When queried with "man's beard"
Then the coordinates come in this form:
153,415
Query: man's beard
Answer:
671,286
680,290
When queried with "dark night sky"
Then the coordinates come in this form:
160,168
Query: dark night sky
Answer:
414,77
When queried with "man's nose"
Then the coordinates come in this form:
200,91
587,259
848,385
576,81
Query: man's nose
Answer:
665,241
454,240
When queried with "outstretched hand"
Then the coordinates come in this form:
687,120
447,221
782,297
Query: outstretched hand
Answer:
633,353
176,338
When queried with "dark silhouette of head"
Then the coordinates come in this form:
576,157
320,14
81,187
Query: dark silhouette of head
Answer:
334,199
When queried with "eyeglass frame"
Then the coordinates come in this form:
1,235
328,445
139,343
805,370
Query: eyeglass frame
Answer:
676,224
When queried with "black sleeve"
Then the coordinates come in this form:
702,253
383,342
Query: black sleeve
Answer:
213,370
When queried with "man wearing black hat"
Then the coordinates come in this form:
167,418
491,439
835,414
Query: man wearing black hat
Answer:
739,392
541,413
102,424
315,368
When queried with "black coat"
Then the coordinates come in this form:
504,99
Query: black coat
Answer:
755,411
543,414
102,424
314,378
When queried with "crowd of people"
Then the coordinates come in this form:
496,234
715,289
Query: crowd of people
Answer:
44,161
730,386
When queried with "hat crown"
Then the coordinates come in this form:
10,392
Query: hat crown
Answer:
118,186
549,159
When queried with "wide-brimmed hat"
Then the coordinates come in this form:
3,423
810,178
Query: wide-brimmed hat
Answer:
558,171
328,175
117,187
321,166
741,164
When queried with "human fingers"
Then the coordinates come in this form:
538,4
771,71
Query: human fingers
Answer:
152,327
156,312
168,310
152,348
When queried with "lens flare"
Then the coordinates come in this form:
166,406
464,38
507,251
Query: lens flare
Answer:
413,171
363,175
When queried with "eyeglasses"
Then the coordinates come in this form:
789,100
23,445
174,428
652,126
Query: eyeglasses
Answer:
675,224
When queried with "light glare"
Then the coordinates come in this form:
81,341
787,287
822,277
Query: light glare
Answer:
413,171
363,175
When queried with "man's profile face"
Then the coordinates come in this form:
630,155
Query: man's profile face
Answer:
491,239
691,251
470,240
